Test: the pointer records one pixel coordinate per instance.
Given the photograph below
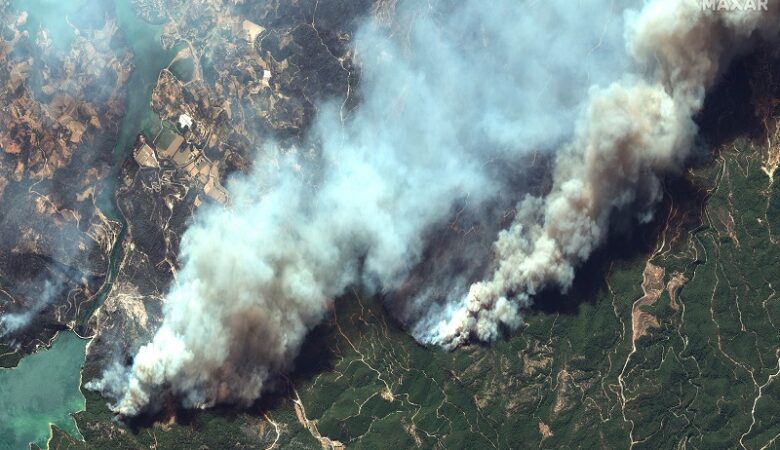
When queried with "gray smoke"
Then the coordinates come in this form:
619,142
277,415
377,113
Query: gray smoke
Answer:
13,322
48,256
455,106
633,132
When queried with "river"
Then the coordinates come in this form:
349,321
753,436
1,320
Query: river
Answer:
150,58
44,388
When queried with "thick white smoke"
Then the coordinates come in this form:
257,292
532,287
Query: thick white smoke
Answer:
633,132
452,110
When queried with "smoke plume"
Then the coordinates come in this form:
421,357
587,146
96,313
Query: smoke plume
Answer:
632,133
11,323
454,109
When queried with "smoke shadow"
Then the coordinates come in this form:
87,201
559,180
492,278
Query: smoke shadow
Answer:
734,108
625,245
729,112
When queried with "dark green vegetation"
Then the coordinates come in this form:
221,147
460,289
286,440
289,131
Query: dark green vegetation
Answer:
702,376
9,357
692,364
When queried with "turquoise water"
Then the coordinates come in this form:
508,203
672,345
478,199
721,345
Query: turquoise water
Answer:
149,59
143,38
43,389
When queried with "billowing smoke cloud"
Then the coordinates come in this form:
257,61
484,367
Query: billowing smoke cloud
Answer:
633,132
454,109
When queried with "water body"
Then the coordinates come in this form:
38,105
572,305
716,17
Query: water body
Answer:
42,390
150,58
61,18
